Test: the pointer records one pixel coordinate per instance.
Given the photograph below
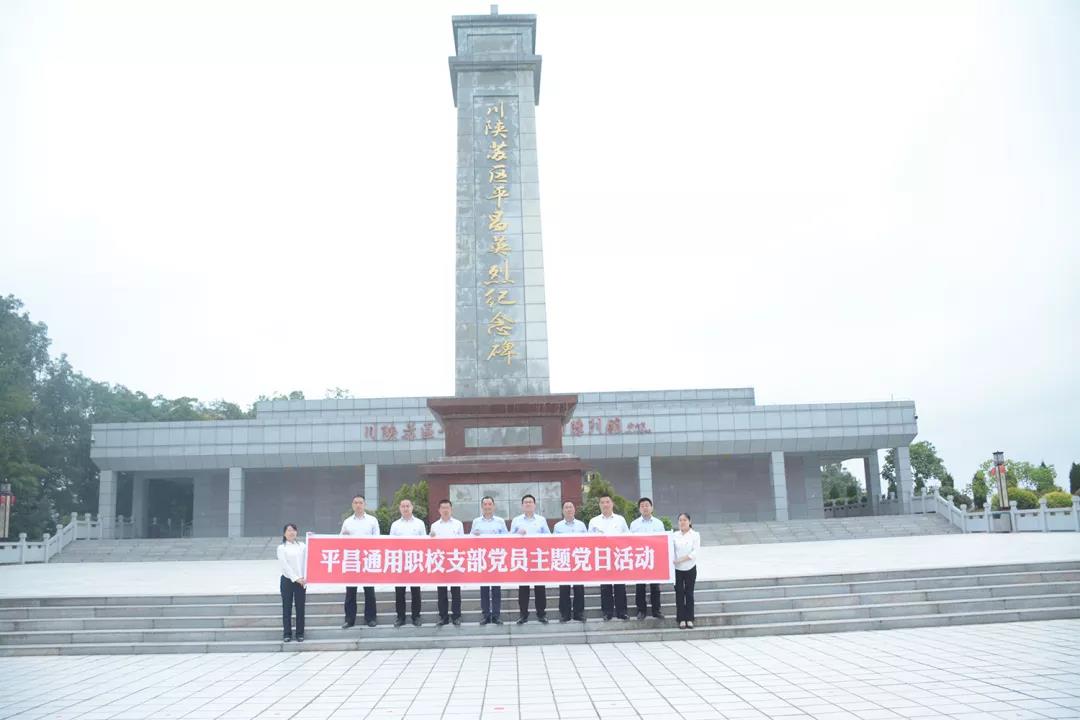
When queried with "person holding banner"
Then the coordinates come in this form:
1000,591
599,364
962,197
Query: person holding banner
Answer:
612,597
407,525
570,525
359,523
490,595
290,554
447,526
687,544
529,523
647,524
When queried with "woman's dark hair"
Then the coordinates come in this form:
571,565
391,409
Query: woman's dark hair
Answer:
287,526
687,516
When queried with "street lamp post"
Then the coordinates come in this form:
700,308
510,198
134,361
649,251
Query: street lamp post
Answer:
6,500
1003,489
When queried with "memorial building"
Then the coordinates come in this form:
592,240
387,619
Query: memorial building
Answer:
712,452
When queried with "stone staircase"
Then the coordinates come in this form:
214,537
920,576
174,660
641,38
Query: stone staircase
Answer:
156,550
730,608
853,528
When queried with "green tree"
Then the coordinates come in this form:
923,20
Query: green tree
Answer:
46,412
979,489
1040,478
1074,478
590,503
925,465
24,360
837,482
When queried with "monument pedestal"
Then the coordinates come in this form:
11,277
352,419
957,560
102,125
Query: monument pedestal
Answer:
504,447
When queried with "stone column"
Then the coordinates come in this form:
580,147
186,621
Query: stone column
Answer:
107,502
873,481
779,484
644,477
371,486
236,502
815,506
501,337
140,504
905,484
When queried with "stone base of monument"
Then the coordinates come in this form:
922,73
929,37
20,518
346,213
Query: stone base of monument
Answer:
727,608
497,444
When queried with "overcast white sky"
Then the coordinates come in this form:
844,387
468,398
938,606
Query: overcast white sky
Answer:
830,202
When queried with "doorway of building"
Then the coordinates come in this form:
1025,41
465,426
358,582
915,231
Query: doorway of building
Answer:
171,505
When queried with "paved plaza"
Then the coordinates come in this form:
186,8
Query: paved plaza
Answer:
1019,670
715,563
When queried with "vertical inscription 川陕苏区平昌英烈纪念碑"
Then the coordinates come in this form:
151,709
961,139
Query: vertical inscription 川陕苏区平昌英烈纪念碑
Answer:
500,324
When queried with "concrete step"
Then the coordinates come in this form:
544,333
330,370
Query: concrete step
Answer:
742,533
786,586
270,606
724,609
466,636
265,627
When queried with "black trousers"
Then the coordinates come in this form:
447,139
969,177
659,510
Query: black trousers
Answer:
491,601
575,611
350,604
613,600
541,599
454,603
292,592
399,602
654,598
684,594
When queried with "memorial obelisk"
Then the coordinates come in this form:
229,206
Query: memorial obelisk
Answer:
502,427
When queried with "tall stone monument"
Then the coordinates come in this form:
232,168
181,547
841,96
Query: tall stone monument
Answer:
503,428
501,334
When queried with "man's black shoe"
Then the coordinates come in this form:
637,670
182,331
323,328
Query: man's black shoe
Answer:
607,617
287,638
580,619
564,620
456,621
442,621
371,623
624,617
658,615
522,619
416,622
299,638
641,615
399,622
497,620
485,620
542,619
346,625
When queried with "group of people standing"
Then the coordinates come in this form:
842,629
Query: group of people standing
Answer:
613,601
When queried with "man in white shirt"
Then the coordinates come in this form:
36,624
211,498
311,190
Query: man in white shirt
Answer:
358,524
447,526
647,523
490,595
408,525
529,523
569,525
612,597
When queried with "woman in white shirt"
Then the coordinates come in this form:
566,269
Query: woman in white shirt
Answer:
290,555
687,545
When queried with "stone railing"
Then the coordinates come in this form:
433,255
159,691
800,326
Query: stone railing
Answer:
886,505
988,520
87,528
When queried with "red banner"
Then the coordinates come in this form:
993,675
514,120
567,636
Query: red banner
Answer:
585,559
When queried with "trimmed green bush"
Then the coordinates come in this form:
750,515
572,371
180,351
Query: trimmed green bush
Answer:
1025,499
1058,499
